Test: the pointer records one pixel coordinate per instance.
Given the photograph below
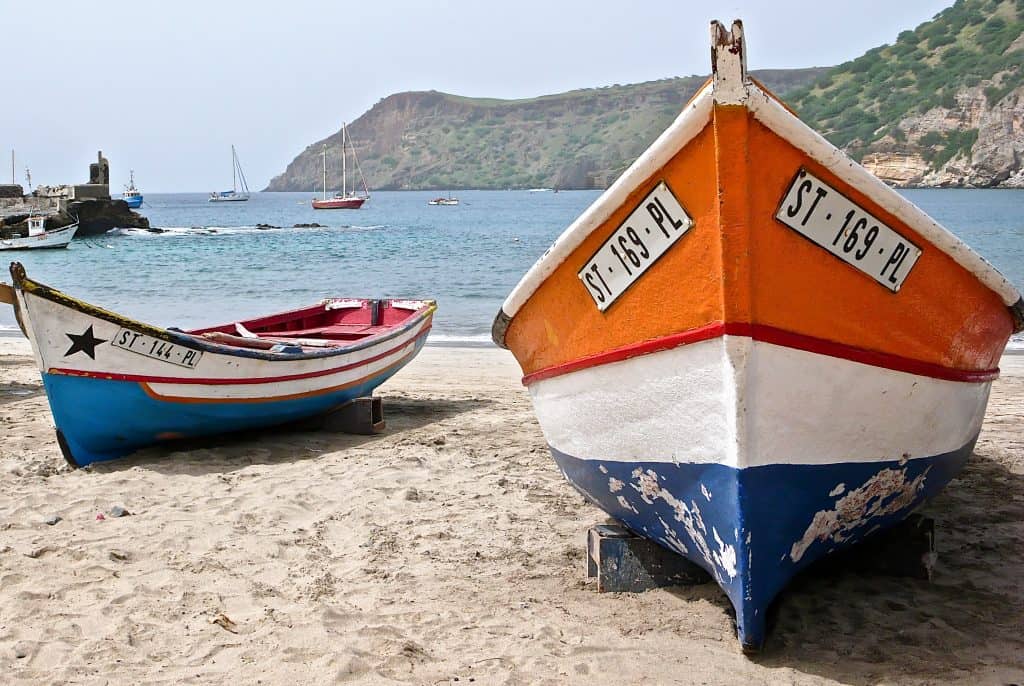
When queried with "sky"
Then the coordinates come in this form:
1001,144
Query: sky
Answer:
166,88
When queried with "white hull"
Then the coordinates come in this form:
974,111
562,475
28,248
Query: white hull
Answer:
743,403
58,238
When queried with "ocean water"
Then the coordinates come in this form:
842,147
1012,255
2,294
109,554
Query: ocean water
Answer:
212,264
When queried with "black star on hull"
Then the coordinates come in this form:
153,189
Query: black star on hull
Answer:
84,342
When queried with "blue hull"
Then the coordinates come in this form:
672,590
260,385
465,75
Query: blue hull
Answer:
767,515
134,202
101,419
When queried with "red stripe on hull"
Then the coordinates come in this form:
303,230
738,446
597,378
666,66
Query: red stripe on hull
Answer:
234,382
769,334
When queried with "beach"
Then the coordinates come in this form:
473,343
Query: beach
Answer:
448,549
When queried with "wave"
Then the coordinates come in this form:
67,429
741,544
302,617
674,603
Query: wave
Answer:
1016,342
455,340
189,231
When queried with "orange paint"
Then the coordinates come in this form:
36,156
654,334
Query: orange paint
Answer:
739,265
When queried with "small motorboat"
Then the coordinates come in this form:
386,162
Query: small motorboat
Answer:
753,352
131,195
38,237
116,385
450,200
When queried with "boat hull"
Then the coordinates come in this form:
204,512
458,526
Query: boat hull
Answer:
685,446
101,419
229,197
748,325
58,238
116,385
134,201
339,204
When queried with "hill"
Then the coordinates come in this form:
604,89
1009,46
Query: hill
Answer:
580,139
942,106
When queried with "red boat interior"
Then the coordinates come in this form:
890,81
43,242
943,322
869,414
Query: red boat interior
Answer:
328,324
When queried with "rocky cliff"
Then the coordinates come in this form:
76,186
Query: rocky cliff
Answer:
580,139
942,106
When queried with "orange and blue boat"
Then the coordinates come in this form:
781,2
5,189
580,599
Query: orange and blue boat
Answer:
752,351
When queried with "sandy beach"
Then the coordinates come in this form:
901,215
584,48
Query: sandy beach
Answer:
447,550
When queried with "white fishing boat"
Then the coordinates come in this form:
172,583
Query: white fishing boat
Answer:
236,194
39,237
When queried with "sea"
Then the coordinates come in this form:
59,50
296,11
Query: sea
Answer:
206,263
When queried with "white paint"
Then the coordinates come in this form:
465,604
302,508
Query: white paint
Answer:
817,211
838,490
887,492
729,59
705,492
615,485
723,401
645,235
694,117
649,487
626,505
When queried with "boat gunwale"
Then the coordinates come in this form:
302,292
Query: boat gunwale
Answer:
27,285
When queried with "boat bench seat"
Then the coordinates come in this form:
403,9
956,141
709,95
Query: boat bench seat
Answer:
327,331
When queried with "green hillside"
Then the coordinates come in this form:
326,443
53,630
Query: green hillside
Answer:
579,139
973,43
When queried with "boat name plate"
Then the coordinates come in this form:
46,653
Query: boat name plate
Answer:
648,232
158,349
819,212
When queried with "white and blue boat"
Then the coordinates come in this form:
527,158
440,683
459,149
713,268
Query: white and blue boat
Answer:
131,195
116,385
236,194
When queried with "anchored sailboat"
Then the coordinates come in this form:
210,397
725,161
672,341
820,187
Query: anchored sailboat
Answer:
343,200
233,195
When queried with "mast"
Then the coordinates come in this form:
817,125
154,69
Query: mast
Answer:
12,167
234,163
323,153
344,171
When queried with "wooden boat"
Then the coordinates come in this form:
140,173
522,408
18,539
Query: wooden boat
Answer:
343,200
752,351
38,237
116,385
237,176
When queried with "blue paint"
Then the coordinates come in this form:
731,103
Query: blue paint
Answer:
102,419
133,201
772,505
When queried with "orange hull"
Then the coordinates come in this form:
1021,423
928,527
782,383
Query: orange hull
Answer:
739,265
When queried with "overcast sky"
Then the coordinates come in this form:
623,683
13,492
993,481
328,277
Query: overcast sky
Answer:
165,88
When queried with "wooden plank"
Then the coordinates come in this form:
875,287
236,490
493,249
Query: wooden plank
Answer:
6,294
626,563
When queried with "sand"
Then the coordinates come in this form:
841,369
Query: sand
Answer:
447,550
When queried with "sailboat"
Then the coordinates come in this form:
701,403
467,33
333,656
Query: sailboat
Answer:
233,195
343,200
